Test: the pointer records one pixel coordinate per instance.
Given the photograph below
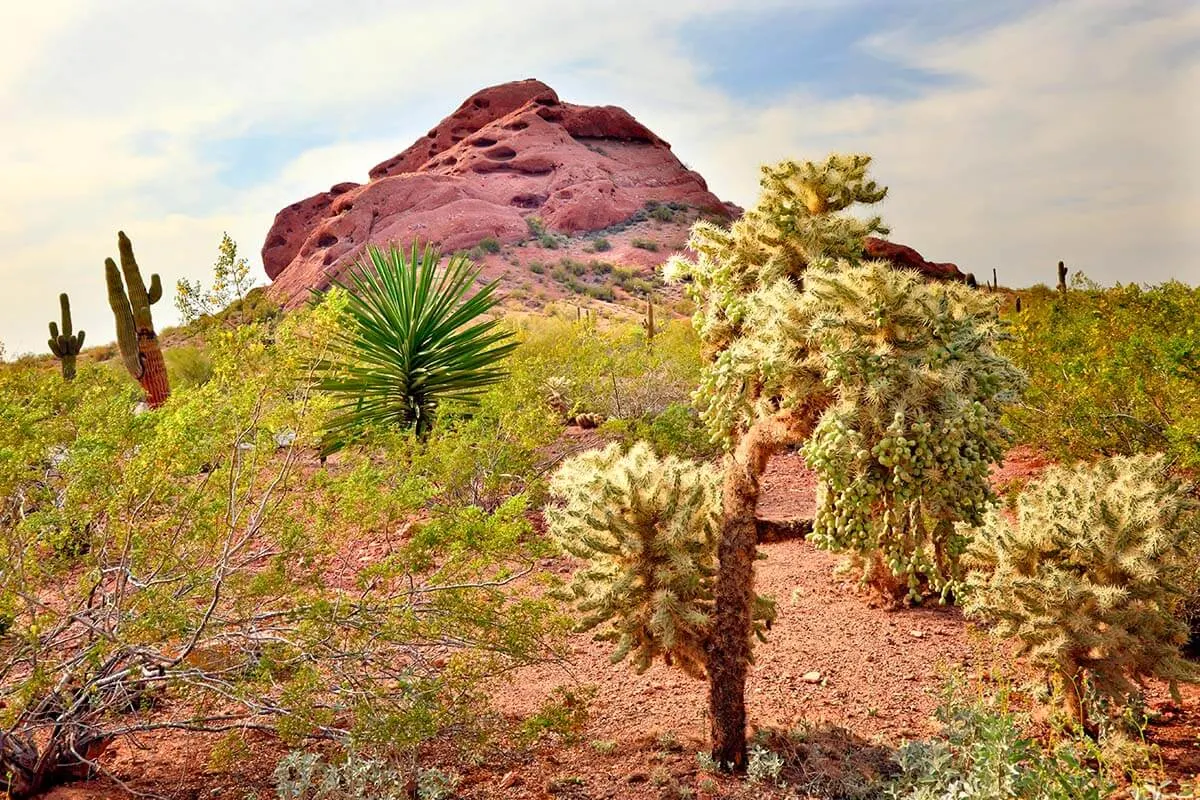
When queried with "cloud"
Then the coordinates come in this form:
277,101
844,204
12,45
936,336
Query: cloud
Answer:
1053,131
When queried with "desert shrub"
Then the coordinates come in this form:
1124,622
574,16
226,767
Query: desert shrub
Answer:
1087,575
645,244
307,776
676,431
490,244
599,245
412,340
647,528
607,368
904,452
232,284
565,715
1113,371
537,267
984,752
603,293
216,576
188,366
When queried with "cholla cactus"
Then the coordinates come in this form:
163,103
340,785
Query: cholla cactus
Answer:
647,528
1086,577
904,451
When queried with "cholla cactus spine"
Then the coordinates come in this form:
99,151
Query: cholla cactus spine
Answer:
65,346
647,529
1087,576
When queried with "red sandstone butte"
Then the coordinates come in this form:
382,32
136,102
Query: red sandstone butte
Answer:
905,257
508,152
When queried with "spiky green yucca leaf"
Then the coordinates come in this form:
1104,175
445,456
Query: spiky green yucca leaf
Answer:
1087,576
413,340
647,528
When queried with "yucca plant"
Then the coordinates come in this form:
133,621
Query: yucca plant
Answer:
413,340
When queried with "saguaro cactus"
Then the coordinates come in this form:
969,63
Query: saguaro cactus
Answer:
65,346
131,303
648,320
1062,277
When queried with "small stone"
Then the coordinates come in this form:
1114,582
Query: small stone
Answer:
811,677
917,634
510,779
637,777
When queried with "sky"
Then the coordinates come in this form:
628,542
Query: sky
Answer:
1011,134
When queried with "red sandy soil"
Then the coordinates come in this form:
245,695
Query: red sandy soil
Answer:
858,678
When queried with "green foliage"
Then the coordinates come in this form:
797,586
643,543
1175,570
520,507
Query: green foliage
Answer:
645,244
490,244
647,528
1087,575
904,451
188,366
676,431
608,369
307,776
249,585
64,346
565,715
1113,371
231,284
986,754
599,245
412,340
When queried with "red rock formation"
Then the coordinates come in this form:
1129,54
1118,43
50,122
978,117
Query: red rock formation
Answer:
507,153
903,256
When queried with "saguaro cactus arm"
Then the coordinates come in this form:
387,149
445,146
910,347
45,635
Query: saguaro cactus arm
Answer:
65,346
130,302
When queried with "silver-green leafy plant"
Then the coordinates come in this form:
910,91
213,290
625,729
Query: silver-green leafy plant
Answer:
1087,576
647,529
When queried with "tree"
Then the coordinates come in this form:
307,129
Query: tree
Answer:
413,339
782,362
1088,575
231,283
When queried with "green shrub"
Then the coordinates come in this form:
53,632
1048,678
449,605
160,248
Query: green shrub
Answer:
645,244
565,715
984,753
537,267
1087,577
1112,371
599,245
490,244
188,366
662,213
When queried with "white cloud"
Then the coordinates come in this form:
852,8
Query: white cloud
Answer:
1061,134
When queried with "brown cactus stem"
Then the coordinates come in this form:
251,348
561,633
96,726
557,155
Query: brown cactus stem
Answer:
154,370
728,656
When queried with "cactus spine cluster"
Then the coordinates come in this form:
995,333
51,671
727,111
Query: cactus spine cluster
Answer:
130,301
1087,577
65,346
647,528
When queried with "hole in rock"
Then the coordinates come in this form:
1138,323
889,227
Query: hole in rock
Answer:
501,153
326,240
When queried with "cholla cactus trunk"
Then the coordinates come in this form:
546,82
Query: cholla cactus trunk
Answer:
733,613
130,301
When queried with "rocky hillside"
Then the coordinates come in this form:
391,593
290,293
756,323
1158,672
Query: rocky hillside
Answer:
515,165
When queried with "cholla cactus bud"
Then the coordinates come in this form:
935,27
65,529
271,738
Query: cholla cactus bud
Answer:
647,529
1087,576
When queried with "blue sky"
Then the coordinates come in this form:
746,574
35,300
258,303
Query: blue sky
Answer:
1012,134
